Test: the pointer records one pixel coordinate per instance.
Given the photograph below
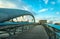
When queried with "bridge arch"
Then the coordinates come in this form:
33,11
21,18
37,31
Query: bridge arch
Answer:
7,14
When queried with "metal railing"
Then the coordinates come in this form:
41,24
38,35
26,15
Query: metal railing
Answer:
52,30
15,27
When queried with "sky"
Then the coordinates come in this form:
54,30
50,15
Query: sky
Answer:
41,9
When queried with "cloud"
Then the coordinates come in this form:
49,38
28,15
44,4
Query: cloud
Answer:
46,1
53,18
43,10
53,2
17,4
26,8
5,4
57,13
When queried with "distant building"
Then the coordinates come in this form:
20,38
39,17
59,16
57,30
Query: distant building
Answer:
42,21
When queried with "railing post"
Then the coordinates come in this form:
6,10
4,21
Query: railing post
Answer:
10,35
22,28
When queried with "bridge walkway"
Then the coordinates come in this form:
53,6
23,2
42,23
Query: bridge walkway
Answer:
38,32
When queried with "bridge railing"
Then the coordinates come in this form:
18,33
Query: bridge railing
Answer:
52,30
12,27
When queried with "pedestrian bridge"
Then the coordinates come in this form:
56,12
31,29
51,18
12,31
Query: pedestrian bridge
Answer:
10,29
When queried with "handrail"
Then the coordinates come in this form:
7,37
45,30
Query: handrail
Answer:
54,26
15,24
52,30
8,26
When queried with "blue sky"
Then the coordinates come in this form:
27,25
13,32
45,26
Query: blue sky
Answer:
41,9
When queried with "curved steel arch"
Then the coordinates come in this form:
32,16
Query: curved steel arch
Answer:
7,14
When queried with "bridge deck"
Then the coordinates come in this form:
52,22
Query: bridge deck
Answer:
38,32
